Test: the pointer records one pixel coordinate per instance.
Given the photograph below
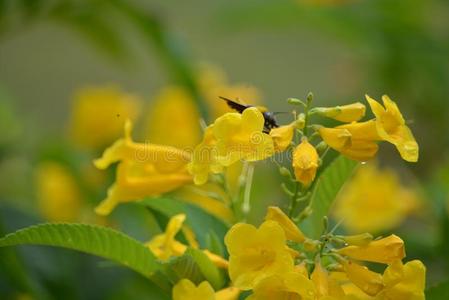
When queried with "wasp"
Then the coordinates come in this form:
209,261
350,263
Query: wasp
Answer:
269,117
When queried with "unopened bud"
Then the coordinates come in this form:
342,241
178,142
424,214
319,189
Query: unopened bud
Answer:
358,239
285,172
300,121
345,113
335,267
295,101
321,147
309,97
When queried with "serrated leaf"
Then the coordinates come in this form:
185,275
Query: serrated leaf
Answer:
438,292
324,193
101,241
197,219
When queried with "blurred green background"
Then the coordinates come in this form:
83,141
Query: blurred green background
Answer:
337,49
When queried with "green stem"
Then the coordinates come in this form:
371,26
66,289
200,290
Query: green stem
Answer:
246,204
294,200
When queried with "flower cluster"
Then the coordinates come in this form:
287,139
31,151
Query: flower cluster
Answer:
358,140
276,261
235,137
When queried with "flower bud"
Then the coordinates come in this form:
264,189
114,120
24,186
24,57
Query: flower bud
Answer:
345,113
300,121
285,172
295,101
305,162
358,239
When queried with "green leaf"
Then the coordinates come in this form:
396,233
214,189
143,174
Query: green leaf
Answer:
324,192
207,268
438,292
181,267
193,265
198,220
100,241
214,244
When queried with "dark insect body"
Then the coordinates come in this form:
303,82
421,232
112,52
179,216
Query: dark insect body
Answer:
269,117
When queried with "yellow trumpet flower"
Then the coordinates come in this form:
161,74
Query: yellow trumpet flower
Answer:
391,127
292,232
289,285
204,159
357,141
368,281
403,282
256,253
144,170
241,137
165,245
282,137
386,250
186,290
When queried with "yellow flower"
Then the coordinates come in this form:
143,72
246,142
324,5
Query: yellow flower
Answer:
256,253
186,290
386,250
351,291
368,281
58,194
391,127
213,83
326,286
144,170
204,160
356,140
404,282
165,245
230,293
174,119
345,113
240,137
364,208
282,137
98,115
292,232
305,162
289,285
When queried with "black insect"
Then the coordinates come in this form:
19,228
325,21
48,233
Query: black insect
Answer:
270,120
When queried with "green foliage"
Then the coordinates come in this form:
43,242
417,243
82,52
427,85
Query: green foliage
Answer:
198,220
101,241
207,268
438,292
193,265
325,190
98,21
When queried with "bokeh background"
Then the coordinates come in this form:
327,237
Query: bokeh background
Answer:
53,53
